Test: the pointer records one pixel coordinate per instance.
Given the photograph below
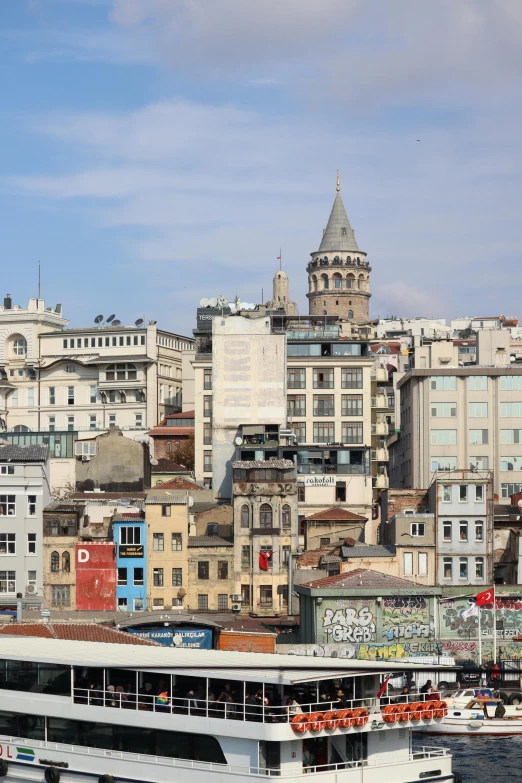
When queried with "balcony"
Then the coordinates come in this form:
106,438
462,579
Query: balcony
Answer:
382,455
382,481
380,374
380,401
380,428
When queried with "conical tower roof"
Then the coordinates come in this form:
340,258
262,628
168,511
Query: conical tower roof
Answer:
338,235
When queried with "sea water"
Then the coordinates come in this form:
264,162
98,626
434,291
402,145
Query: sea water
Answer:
480,759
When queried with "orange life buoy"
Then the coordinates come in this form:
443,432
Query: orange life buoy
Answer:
441,709
361,717
331,720
427,709
299,723
390,713
317,721
416,710
345,718
405,711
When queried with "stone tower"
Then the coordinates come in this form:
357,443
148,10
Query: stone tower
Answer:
280,295
339,274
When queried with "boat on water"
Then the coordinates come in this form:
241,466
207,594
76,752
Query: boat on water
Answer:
74,712
477,716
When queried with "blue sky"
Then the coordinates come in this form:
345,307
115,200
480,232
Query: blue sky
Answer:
157,151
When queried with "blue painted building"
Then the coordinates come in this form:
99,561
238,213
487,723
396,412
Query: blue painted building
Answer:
130,538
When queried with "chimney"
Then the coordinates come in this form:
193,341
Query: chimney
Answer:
8,302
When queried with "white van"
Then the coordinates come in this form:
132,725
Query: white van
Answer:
416,679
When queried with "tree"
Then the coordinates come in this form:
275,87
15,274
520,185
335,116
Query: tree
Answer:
183,452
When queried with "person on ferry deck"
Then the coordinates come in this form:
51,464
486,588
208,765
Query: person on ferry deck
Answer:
433,695
404,696
307,700
341,702
146,697
426,688
293,706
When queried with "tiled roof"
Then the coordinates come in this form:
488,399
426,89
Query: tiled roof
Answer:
80,632
10,453
170,432
367,550
361,578
138,517
161,499
178,483
209,541
167,466
338,234
182,415
336,513
276,464
100,496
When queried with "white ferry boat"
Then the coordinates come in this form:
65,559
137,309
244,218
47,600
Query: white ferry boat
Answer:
74,712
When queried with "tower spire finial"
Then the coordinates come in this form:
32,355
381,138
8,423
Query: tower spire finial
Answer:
338,182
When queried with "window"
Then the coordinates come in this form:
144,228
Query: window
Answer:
55,562
121,372
478,437
202,603
443,437
138,420
296,405
245,516
207,435
479,568
122,604
203,569
52,395
408,563
444,409
85,448
245,556
177,577
70,395
463,530
207,380
222,569
122,577
7,544
446,531
510,489
417,529
463,493
296,378
30,397
447,568
60,595
166,510
20,346
423,564
479,531
511,382
31,505
301,493
324,541
478,383
265,515
324,379
479,493
222,601
176,542
7,470
245,595
130,535
444,383
286,516
92,422
31,543
323,433
207,461
70,423
511,408
207,406
463,568
8,505
352,432
352,405
286,555
66,562
351,378
443,463
7,581
212,529
158,542
511,436
138,577
265,595
157,577
52,423
479,463
478,410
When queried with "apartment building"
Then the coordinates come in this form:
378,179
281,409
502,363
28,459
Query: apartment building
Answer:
167,517
59,379
24,492
460,417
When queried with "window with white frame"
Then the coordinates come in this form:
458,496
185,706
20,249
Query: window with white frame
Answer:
463,493
30,396
511,382
443,437
463,530
479,463
7,544
31,543
444,382
112,419
446,530
13,399
92,422
511,463
70,423
510,436
479,493
446,493
85,448
176,542
70,367
51,422
7,581
138,420
121,372
20,346
478,383
408,563
70,395
158,542
479,568
511,408
463,568
443,409
7,505
423,564
510,489
479,531
443,463
478,410
447,568
31,505
7,470
93,394
417,529
31,579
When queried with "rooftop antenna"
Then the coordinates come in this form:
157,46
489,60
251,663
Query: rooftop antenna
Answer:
280,259
338,188
38,279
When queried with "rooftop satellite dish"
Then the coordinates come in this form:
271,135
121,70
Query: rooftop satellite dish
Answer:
232,308
111,318
222,302
212,302
98,319
203,302
116,323
139,322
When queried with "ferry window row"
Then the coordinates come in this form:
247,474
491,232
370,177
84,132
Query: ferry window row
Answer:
129,739
100,342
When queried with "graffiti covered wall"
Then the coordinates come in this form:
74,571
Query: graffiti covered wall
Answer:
406,617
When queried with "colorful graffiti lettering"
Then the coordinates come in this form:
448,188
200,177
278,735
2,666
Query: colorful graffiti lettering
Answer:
350,624
458,618
406,602
407,631
385,652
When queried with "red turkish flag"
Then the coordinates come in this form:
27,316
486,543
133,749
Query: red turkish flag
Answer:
484,598
263,560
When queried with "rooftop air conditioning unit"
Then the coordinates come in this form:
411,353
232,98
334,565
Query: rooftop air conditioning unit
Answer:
30,589
236,607
237,598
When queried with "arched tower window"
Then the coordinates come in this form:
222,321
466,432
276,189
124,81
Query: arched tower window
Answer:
326,282
66,562
245,516
348,260
350,313
360,282
55,562
337,281
265,515
20,346
314,282
350,281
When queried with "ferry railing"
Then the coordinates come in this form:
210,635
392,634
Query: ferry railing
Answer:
225,708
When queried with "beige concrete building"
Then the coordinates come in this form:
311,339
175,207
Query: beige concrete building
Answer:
167,518
331,526
211,574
